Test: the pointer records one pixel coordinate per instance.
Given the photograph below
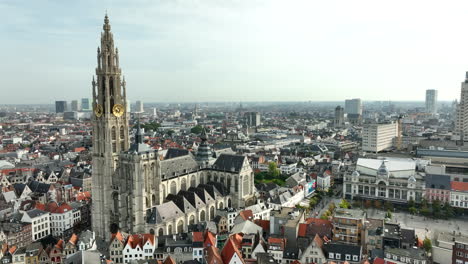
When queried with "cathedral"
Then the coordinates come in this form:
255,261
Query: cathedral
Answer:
135,188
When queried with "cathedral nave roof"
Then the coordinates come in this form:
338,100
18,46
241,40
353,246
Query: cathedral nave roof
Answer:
227,162
175,167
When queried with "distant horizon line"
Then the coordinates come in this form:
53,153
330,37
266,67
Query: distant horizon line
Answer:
238,102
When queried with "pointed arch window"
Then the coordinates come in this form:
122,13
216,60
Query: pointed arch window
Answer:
122,132
114,133
111,86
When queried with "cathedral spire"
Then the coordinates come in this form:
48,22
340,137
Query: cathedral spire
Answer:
106,26
138,135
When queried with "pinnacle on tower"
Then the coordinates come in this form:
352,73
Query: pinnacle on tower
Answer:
138,135
106,26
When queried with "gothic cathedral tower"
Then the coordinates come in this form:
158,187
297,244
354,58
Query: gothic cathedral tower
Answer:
110,132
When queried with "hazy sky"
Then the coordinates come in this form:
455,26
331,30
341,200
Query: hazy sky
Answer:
244,50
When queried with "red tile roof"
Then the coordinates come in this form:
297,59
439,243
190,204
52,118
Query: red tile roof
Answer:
265,224
12,249
210,239
379,261
237,239
319,226
229,250
318,241
59,244
247,215
139,240
213,256
118,236
73,239
169,260
459,186
302,232
197,236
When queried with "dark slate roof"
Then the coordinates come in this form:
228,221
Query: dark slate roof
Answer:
175,167
19,188
175,152
39,187
191,262
181,202
220,187
210,189
408,236
202,193
291,251
227,162
343,249
438,181
266,187
151,215
193,198
35,213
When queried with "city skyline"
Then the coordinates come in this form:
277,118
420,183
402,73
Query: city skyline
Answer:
207,51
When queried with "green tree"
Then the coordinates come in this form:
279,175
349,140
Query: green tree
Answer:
412,210
259,176
312,202
273,170
427,244
344,204
196,129
411,203
330,192
448,210
425,211
436,208
332,207
389,214
170,132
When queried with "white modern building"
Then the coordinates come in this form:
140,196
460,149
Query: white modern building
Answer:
139,107
378,137
61,218
394,180
75,106
431,101
40,223
459,194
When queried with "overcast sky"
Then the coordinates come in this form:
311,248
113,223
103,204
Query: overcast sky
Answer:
244,50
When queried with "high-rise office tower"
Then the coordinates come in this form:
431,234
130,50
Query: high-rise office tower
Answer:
431,101
139,107
339,117
75,106
353,106
252,119
353,109
60,106
85,104
461,125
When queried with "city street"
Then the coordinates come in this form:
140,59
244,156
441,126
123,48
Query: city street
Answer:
423,226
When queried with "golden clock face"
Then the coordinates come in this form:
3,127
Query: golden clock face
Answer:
98,110
118,110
